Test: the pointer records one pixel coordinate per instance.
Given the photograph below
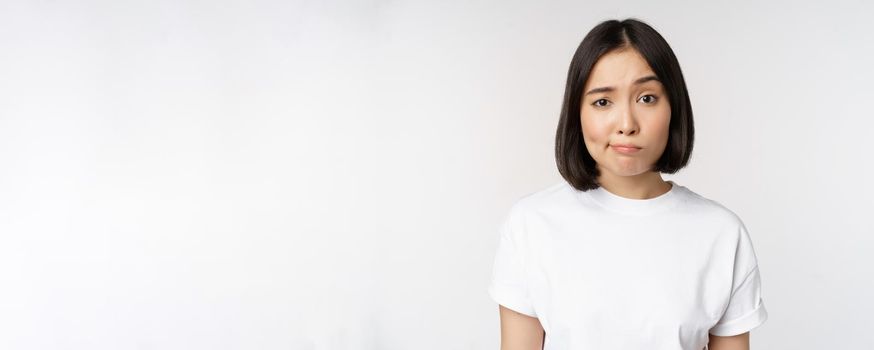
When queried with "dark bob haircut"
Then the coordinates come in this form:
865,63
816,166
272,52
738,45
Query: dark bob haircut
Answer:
572,157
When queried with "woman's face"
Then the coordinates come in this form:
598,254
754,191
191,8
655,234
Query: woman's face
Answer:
624,104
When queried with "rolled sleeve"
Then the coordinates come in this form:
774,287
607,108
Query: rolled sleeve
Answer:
508,286
745,310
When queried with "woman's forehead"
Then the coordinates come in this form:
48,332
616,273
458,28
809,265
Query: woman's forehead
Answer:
618,68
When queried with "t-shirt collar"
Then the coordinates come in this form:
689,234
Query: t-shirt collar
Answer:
624,205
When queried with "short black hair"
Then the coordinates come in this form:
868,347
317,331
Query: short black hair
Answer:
572,157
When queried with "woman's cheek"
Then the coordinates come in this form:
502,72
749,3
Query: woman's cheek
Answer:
594,132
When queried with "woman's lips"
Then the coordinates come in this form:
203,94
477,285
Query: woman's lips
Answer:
625,150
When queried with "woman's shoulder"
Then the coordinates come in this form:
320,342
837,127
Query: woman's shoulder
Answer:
707,208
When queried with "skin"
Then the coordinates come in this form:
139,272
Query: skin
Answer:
632,112
636,113
520,331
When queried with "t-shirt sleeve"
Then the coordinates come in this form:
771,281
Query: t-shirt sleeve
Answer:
746,309
508,286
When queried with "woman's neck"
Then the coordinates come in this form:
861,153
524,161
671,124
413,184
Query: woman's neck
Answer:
642,186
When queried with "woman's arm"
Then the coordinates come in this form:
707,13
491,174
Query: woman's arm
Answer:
735,342
520,331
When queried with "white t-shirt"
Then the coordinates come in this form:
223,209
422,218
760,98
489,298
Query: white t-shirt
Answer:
601,271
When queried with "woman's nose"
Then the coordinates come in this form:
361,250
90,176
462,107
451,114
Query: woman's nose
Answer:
627,123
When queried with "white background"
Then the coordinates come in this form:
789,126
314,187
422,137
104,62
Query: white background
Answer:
330,175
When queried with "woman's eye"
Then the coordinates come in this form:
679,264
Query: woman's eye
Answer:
651,99
600,103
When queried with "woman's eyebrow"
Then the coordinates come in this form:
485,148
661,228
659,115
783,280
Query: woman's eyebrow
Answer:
610,88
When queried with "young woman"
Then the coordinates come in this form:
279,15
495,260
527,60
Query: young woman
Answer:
615,257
